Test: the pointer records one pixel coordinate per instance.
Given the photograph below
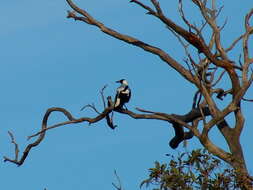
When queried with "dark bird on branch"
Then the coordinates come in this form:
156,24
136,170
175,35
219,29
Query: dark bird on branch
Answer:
123,94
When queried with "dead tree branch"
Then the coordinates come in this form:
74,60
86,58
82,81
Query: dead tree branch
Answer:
177,121
87,18
119,186
44,128
211,55
247,59
102,95
15,144
92,106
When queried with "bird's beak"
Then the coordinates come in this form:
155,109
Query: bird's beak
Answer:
118,81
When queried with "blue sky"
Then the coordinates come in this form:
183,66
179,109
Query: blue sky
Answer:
48,60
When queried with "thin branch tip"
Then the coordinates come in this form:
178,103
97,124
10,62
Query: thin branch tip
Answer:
71,14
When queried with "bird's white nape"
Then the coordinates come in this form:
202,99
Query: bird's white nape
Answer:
125,82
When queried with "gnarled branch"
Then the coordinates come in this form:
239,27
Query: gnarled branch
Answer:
87,18
44,128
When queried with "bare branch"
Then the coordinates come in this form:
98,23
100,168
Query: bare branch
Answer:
243,90
44,128
191,26
234,43
247,100
216,30
92,106
211,53
102,95
218,119
181,119
212,41
16,147
193,39
219,78
157,6
227,157
128,39
199,43
30,146
177,120
119,186
211,74
73,120
149,9
247,59
173,118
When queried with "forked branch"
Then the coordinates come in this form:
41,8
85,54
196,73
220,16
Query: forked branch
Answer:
87,18
178,123
44,128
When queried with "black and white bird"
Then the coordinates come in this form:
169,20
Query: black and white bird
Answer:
123,94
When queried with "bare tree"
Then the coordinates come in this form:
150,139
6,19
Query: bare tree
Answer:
205,71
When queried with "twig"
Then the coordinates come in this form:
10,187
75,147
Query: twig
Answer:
73,120
44,128
149,9
247,100
191,26
171,118
219,78
212,74
92,106
102,95
119,186
177,122
234,43
196,100
211,20
247,59
157,7
144,111
15,144
87,18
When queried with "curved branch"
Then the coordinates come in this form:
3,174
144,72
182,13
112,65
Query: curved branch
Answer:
193,39
234,43
247,59
30,146
247,100
219,78
102,94
87,18
190,26
177,121
92,106
119,186
73,120
44,128
13,141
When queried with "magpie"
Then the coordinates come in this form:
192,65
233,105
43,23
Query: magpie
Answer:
123,94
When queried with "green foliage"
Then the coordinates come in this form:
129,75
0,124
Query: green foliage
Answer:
189,171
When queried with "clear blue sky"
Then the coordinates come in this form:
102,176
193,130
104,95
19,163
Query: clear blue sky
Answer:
48,60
